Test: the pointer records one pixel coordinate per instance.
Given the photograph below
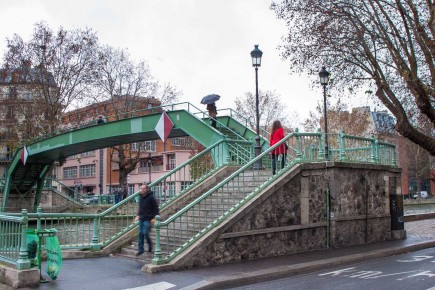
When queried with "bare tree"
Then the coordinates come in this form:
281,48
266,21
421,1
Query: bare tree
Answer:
385,44
60,66
270,108
355,122
127,89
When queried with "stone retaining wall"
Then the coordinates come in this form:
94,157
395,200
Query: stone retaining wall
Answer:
290,216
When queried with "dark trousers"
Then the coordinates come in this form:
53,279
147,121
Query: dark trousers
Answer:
144,232
274,157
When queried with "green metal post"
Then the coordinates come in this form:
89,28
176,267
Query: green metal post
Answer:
298,145
312,155
158,251
6,189
40,186
23,261
342,146
373,154
95,235
38,218
321,151
38,194
376,150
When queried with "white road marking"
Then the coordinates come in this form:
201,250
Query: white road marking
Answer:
156,286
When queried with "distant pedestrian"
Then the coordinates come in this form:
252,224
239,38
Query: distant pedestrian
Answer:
276,135
100,120
118,196
212,112
147,211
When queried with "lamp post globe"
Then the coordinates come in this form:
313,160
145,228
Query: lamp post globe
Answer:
324,80
256,55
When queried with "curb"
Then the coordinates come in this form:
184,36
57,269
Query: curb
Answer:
278,272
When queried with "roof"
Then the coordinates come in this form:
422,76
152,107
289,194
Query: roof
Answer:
26,75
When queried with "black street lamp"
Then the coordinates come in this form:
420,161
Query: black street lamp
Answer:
324,80
256,55
150,162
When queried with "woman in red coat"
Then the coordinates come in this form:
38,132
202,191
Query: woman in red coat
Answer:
276,135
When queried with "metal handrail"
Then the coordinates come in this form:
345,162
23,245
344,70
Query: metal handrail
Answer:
264,133
127,115
83,231
98,230
13,246
183,225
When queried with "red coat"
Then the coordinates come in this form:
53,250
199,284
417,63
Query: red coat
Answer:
275,137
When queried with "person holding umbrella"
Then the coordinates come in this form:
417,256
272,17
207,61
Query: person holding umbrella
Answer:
212,112
210,100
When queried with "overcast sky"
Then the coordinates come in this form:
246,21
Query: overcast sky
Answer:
199,46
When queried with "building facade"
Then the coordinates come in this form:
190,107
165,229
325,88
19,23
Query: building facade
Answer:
97,172
25,110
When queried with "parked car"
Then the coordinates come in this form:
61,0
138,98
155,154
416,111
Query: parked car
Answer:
89,198
422,194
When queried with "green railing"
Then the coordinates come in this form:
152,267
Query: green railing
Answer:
191,223
93,231
75,197
179,106
200,114
13,246
244,121
84,231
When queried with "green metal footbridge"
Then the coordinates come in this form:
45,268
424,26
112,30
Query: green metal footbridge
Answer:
188,216
131,127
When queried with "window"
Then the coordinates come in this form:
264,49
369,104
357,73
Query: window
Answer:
72,157
171,189
87,170
157,189
182,141
148,146
88,154
70,172
185,184
171,162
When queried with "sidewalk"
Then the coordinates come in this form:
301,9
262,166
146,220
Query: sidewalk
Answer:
119,273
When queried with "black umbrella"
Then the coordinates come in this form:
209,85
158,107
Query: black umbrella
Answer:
210,99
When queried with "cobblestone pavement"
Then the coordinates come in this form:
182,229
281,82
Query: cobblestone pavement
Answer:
424,229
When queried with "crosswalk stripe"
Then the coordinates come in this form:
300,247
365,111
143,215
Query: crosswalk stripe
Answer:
156,286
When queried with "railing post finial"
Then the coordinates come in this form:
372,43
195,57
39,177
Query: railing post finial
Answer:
23,261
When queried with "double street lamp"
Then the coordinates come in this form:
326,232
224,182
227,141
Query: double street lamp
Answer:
256,55
324,80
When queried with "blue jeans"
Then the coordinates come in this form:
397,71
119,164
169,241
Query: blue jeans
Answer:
144,231
274,157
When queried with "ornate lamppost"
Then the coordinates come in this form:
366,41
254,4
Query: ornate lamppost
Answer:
256,55
324,80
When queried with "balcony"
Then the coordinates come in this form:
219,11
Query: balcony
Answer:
170,166
146,169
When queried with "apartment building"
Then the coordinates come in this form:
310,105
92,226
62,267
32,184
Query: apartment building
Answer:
97,172
23,107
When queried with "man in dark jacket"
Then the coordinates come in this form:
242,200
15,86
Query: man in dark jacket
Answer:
148,209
